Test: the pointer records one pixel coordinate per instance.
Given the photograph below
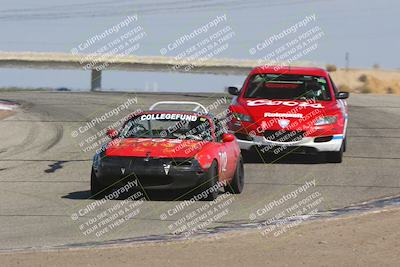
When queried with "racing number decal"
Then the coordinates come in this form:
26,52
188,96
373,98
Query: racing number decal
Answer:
223,160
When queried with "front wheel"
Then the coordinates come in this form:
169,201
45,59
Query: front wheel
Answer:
344,144
237,183
95,187
209,190
335,156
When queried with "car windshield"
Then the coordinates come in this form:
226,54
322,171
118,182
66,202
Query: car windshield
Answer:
288,87
168,125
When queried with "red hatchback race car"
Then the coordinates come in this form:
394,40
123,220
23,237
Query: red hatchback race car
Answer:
290,110
166,149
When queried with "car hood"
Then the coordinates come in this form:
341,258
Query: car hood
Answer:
155,148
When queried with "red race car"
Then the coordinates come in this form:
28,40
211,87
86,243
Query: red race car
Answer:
165,149
290,110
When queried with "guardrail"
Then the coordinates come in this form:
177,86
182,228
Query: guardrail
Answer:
36,60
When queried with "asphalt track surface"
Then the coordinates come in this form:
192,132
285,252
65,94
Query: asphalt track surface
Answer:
44,174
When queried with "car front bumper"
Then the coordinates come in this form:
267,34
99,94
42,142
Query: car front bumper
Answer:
151,174
303,145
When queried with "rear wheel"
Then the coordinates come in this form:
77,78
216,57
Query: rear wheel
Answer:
247,153
254,155
237,183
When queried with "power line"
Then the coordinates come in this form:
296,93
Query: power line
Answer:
62,12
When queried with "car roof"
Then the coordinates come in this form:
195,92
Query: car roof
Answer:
314,71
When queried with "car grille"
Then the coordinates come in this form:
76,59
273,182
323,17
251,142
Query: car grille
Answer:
284,136
142,167
152,180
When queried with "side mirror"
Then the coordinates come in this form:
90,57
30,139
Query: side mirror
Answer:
342,95
112,133
233,90
227,137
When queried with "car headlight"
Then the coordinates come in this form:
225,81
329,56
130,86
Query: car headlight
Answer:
326,120
242,117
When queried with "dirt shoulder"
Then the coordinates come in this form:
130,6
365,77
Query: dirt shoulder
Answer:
5,113
370,239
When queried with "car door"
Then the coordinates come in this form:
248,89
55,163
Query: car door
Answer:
342,104
228,156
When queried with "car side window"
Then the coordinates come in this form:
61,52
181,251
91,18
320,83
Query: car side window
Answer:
219,130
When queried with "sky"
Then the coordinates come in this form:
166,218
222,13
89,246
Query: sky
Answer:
367,30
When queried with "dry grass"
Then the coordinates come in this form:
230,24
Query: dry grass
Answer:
368,81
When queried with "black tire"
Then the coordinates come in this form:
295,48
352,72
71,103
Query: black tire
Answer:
247,154
237,183
95,187
335,156
253,155
212,179
344,144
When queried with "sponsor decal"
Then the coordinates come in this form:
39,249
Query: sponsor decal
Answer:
267,102
147,144
168,116
147,159
283,123
283,115
224,160
281,85
168,145
166,168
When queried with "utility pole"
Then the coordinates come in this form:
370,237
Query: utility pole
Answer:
347,58
96,80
